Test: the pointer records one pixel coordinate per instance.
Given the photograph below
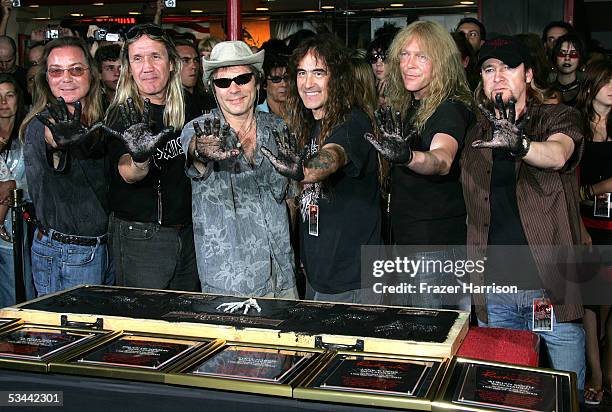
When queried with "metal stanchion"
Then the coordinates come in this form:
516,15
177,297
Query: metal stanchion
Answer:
17,216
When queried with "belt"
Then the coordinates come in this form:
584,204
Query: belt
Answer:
71,239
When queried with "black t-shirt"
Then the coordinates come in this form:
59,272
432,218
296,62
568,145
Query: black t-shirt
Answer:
166,180
429,210
349,212
203,102
506,229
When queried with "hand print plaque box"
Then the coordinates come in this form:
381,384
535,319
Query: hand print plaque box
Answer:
366,328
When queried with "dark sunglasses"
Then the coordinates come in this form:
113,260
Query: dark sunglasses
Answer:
572,54
373,58
138,31
278,79
224,82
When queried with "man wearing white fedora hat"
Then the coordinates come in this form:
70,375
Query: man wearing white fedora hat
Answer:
240,219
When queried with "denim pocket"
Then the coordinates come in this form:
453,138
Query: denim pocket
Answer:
79,255
135,232
42,266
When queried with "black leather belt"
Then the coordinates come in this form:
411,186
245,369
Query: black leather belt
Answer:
73,240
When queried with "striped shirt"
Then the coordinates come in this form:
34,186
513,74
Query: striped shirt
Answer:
547,202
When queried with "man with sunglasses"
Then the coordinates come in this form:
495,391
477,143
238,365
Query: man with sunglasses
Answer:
276,85
518,175
65,170
151,231
239,214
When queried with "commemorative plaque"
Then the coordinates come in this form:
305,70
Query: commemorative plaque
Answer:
398,382
131,356
249,363
247,368
489,386
30,347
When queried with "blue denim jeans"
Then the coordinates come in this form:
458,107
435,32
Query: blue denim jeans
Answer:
564,344
7,277
58,266
147,255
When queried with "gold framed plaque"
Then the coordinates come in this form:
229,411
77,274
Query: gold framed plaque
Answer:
263,369
7,323
404,382
131,355
31,346
475,385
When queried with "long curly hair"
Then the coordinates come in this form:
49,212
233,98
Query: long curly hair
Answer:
448,80
336,57
596,76
93,110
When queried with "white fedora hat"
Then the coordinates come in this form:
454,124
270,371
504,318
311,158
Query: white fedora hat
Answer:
232,53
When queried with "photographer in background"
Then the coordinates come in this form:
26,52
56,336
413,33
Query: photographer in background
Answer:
109,64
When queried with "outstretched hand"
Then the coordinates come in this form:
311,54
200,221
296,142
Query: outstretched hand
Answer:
391,143
211,141
290,160
138,138
507,134
66,128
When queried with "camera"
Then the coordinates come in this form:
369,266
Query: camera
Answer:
170,3
103,34
16,3
51,34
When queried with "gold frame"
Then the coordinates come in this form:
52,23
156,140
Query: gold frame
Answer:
42,365
305,389
444,398
177,375
69,365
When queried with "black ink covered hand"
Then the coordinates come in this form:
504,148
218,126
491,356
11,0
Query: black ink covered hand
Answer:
66,128
138,138
290,161
211,141
507,134
391,142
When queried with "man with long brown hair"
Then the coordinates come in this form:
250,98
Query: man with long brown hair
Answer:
339,169
65,171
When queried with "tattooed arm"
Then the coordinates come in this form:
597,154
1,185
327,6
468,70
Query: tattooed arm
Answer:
327,161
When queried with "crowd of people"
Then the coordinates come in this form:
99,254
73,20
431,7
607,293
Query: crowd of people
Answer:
213,167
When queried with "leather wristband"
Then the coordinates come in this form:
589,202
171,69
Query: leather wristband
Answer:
525,145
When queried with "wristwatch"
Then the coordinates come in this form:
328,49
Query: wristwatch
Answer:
525,144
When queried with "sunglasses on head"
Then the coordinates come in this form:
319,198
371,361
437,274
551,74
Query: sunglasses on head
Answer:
278,79
572,54
373,58
138,31
75,71
224,82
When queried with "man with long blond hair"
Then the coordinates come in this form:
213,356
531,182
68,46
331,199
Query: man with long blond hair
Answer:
151,231
428,93
339,203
